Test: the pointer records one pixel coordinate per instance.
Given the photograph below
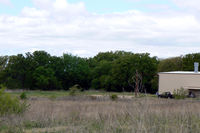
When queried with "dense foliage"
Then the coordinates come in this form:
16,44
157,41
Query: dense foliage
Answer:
108,71
11,105
181,63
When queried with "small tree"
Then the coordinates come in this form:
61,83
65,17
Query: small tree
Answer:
74,90
113,97
136,83
180,93
23,96
11,105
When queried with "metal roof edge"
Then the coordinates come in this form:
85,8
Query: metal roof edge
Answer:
181,72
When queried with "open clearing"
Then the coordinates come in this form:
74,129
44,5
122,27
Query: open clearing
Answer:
93,114
65,93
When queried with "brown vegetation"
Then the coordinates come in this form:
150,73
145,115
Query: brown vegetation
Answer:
90,115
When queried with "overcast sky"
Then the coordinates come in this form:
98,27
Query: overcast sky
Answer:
163,28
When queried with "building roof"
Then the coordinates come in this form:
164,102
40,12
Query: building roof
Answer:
181,72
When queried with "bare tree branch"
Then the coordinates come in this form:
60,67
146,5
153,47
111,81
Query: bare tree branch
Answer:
136,82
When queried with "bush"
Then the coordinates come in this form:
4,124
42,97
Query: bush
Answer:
23,96
10,105
180,93
52,97
113,97
74,90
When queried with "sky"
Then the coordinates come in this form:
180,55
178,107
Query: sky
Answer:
163,28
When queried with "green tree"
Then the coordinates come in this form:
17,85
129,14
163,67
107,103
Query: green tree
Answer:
101,75
76,71
111,71
124,69
188,61
41,58
3,65
171,64
15,72
45,79
3,62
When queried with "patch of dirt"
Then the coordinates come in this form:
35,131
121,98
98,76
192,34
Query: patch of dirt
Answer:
47,130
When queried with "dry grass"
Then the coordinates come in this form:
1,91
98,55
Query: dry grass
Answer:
90,115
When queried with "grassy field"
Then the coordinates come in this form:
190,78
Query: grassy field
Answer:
91,114
66,93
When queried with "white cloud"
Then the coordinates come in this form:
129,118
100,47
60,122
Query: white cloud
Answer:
5,2
58,26
158,7
33,12
189,4
43,4
60,6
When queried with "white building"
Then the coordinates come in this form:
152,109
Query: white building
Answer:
170,81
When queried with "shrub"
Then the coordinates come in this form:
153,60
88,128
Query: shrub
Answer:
180,93
74,90
52,97
23,96
113,97
93,97
10,105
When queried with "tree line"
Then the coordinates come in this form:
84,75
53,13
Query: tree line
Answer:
108,71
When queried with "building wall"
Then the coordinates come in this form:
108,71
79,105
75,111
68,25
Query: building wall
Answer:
171,82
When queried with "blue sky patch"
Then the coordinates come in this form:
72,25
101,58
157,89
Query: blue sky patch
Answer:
100,6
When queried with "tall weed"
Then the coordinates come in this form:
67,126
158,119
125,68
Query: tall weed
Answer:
11,105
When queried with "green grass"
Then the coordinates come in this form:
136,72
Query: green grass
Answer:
65,93
42,93
55,94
